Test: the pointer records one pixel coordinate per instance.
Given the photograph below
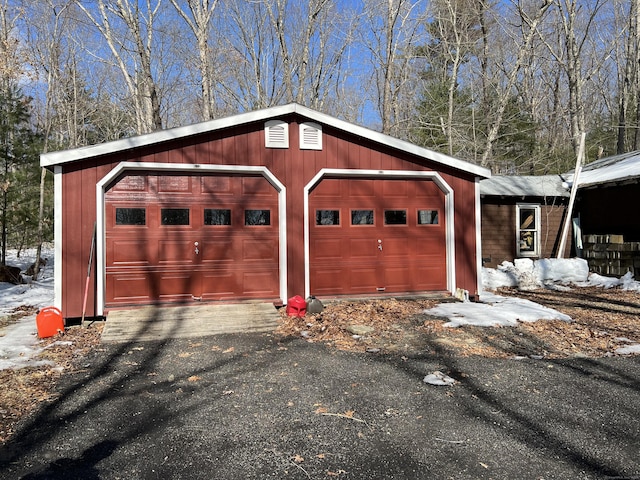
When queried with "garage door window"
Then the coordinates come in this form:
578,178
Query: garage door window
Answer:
361,217
175,216
257,217
131,216
395,217
216,216
428,217
327,217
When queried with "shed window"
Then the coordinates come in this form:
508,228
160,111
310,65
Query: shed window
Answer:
362,217
395,217
215,216
428,217
528,230
175,216
131,216
327,217
257,217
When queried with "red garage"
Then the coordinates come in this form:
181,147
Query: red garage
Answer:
261,206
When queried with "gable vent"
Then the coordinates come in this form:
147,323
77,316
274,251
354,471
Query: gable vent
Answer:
310,136
276,134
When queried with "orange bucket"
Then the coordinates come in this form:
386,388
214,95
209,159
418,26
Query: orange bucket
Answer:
49,322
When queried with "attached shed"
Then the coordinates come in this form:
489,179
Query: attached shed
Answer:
262,206
522,216
608,190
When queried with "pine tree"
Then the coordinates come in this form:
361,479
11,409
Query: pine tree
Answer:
19,171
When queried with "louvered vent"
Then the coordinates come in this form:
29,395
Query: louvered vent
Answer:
276,134
310,136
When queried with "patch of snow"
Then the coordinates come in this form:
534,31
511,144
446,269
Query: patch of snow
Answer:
19,343
494,311
629,349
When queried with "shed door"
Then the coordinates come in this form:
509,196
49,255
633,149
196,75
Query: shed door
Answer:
377,236
181,238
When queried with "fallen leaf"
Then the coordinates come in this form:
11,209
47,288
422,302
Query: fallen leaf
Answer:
193,378
336,474
195,345
184,354
216,348
321,410
229,350
349,413
297,458
321,456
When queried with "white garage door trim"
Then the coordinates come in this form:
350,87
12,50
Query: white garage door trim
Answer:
382,174
106,181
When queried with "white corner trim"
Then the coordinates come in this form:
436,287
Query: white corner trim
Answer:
106,181
380,174
478,238
57,237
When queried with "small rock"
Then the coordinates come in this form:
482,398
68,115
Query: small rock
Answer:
172,378
305,334
373,350
360,329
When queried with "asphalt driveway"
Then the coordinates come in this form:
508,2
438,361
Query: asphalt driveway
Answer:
247,406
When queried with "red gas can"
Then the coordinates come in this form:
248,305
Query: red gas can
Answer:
296,306
49,322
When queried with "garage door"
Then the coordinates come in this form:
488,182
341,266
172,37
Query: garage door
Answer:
372,236
182,238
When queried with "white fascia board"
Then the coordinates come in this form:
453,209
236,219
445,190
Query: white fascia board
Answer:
57,158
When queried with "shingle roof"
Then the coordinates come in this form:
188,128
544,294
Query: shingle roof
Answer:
523,186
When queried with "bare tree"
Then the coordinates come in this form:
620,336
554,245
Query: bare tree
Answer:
529,29
135,38
390,33
199,21
278,51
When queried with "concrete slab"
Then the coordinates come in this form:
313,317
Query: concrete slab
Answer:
160,323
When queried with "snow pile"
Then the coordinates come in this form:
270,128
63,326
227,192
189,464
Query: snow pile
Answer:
555,273
527,274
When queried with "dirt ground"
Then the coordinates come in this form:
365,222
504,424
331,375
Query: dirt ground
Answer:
601,318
